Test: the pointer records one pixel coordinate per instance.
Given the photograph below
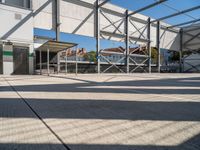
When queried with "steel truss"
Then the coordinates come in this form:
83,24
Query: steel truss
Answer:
192,36
185,44
128,20
129,38
125,36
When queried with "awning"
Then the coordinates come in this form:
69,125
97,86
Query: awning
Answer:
55,46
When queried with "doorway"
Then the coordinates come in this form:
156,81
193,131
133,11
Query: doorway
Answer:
21,60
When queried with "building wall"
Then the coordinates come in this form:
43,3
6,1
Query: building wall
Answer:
17,28
7,59
43,14
19,3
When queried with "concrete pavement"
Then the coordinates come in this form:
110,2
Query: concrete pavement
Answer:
100,112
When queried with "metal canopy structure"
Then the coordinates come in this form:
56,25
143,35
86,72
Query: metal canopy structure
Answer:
126,37
126,27
176,14
55,47
185,23
147,7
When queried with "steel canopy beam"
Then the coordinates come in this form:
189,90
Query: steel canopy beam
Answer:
103,3
147,7
184,23
191,29
188,41
176,14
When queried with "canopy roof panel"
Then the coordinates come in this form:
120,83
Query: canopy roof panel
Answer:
55,46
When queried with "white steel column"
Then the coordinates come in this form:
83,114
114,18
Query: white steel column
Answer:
76,62
149,42
127,41
158,45
57,18
97,27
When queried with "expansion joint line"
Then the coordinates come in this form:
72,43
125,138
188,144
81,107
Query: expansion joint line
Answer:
37,115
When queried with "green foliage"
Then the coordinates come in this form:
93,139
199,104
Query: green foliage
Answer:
154,54
90,56
175,56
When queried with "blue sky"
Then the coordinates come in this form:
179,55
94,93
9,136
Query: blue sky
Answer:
163,9
83,41
155,12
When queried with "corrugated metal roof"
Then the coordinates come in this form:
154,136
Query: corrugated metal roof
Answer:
55,46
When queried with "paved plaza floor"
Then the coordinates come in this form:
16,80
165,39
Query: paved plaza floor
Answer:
100,112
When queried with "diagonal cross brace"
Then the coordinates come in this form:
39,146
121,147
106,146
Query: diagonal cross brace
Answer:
112,64
117,28
191,39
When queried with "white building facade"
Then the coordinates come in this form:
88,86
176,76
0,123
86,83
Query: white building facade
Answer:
16,37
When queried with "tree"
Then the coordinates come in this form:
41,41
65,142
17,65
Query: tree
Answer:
154,54
90,56
175,56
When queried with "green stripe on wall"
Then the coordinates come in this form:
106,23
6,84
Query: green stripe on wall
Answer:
31,55
10,53
7,53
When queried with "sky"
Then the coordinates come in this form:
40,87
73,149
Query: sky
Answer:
164,9
83,41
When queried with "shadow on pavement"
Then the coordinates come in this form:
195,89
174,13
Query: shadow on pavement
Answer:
191,144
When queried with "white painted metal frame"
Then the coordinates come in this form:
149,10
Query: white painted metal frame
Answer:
124,35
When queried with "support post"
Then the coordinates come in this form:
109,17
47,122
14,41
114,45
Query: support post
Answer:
127,41
66,64
58,62
97,27
158,44
149,42
34,62
40,62
76,63
181,50
48,61
57,19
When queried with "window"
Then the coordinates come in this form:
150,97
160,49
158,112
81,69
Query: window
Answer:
19,3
